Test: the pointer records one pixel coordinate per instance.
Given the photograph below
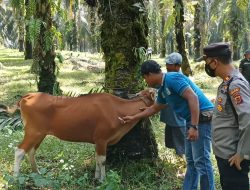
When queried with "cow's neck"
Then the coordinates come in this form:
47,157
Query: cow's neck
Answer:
146,101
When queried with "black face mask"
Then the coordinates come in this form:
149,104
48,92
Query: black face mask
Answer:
210,72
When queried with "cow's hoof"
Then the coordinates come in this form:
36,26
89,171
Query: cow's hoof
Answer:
97,175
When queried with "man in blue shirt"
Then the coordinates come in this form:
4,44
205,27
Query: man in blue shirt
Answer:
175,126
188,102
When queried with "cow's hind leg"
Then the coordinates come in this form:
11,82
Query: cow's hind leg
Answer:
29,142
32,159
100,161
19,153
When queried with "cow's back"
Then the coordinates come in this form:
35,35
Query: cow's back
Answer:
72,119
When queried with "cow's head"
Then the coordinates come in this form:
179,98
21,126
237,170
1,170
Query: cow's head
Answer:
148,96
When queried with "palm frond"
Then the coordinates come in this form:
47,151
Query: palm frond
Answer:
96,90
7,121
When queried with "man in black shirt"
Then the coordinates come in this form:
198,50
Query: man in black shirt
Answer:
245,65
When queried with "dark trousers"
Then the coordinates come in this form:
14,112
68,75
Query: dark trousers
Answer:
230,177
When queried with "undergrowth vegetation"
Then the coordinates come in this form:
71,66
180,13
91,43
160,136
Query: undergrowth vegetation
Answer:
71,166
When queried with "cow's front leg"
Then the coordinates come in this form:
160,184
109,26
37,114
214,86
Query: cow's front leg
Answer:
100,167
101,147
19,154
97,168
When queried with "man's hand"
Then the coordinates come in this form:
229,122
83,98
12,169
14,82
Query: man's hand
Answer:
126,119
129,118
236,160
144,108
193,134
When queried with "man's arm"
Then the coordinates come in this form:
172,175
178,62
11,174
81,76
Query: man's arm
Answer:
146,112
193,104
239,94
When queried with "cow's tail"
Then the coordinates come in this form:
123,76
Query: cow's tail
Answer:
12,109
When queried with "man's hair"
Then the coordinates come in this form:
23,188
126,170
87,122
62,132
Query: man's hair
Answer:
150,66
224,59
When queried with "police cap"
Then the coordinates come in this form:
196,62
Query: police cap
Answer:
220,49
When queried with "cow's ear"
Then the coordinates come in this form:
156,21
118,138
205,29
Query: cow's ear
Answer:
143,92
153,95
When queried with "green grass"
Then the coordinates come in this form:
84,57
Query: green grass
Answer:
66,165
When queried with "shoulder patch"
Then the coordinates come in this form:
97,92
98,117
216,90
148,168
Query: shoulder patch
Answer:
234,91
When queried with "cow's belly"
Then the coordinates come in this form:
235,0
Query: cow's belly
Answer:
75,131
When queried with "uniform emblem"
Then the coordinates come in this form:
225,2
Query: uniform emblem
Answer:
227,78
238,99
219,108
234,91
223,89
219,100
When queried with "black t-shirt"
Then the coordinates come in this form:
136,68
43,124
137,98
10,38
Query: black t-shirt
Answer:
245,68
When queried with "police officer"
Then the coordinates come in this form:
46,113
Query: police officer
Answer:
245,65
231,123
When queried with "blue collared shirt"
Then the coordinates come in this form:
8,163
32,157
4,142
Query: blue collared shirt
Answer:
171,91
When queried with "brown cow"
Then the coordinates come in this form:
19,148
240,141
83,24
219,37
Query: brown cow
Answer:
93,118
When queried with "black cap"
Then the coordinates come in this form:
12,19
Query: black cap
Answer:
220,49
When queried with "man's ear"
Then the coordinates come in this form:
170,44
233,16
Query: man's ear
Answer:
216,62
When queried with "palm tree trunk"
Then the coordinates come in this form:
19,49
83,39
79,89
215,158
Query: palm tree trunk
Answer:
28,45
236,23
123,31
45,57
92,29
20,24
179,20
163,38
75,29
197,33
